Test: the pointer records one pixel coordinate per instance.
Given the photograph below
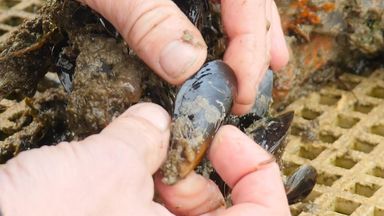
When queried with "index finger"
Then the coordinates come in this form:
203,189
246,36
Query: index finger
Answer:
246,26
241,164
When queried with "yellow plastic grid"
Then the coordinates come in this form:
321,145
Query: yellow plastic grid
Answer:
341,133
13,12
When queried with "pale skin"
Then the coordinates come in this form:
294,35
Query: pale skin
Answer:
115,172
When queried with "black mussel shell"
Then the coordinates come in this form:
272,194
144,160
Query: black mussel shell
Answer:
262,104
270,132
264,95
193,9
300,184
202,104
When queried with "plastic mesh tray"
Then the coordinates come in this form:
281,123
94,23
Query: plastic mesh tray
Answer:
341,133
13,12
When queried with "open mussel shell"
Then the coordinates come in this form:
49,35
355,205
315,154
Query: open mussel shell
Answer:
300,184
201,105
270,132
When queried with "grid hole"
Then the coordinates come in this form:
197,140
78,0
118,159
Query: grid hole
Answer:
310,152
363,146
297,211
344,161
16,117
366,190
2,108
344,206
363,107
3,136
377,92
377,171
23,121
13,21
330,100
378,212
327,179
309,114
347,84
306,134
33,8
289,168
327,137
378,129
2,31
346,122
312,196
296,130
6,4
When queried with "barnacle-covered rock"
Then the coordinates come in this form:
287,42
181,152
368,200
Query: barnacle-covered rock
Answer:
365,21
32,122
106,82
23,58
326,38
28,54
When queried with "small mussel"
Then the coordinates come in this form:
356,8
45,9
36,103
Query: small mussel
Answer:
300,184
269,132
202,104
64,63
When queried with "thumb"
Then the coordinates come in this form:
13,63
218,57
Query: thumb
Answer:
105,173
159,33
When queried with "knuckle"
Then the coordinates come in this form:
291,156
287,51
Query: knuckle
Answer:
145,19
139,130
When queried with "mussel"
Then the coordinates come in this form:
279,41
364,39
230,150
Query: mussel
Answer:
300,184
194,10
202,104
270,132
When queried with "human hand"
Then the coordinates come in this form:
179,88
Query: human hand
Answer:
257,187
155,31
111,174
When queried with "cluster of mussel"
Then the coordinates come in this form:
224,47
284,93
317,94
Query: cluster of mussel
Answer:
203,104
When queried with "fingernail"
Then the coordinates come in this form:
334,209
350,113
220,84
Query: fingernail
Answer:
153,113
178,57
